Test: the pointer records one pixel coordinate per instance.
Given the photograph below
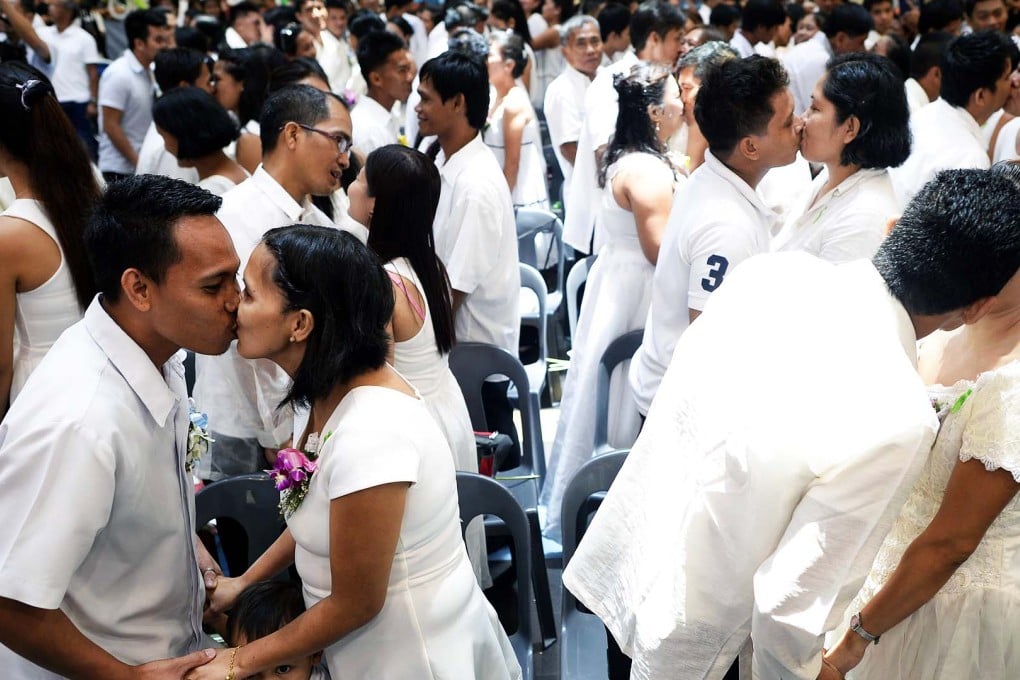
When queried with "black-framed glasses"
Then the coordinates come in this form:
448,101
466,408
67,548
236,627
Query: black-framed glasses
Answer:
342,141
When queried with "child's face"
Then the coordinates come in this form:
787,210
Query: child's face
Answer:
295,669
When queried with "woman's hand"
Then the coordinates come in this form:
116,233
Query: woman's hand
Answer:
848,652
217,669
225,594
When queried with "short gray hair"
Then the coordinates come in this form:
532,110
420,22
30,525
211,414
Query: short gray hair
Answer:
576,23
707,56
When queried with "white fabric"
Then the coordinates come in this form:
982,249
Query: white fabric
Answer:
127,86
476,238
717,222
564,114
217,184
373,126
336,59
43,313
917,98
530,190
419,43
438,40
930,128
969,628
71,50
763,483
435,622
154,159
1006,148
806,65
549,62
847,223
234,39
786,186
98,510
616,299
741,44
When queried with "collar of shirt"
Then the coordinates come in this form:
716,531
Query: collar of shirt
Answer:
278,195
818,203
716,166
573,74
375,110
869,276
945,109
450,168
131,362
741,44
133,63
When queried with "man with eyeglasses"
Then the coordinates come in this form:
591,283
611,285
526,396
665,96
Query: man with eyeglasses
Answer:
306,141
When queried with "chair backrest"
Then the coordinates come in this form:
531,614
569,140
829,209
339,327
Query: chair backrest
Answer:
619,350
577,276
597,474
250,500
472,363
533,281
479,495
530,223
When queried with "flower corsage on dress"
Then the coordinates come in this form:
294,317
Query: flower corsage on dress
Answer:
292,473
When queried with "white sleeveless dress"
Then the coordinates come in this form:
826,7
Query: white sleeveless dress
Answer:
530,190
43,313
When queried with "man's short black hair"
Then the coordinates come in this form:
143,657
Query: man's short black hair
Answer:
868,4
241,9
969,5
198,122
375,48
928,53
178,65
656,17
137,23
364,22
454,73
763,13
974,61
938,15
956,242
724,15
614,18
848,18
735,100
301,104
132,226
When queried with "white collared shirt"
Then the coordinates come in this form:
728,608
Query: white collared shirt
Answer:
98,509
72,50
847,223
781,446
234,39
741,44
917,98
337,60
717,221
373,126
127,86
154,159
476,238
564,114
806,65
932,127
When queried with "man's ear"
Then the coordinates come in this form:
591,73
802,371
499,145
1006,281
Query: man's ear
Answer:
974,312
137,288
748,148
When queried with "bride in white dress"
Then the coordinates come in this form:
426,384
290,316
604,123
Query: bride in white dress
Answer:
45,278
638,185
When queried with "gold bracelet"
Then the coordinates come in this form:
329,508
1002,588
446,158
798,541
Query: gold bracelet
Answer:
230,671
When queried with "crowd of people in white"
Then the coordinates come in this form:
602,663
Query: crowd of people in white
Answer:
810,211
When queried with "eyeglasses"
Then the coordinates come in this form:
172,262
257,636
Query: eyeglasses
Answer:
342,141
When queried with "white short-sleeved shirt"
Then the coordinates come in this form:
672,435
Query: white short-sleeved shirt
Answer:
98,509
372,125
917,98
71,51
847,223
154,159
476,238
336,59
741,44
931,127
806,65
564,114
127,86
717,222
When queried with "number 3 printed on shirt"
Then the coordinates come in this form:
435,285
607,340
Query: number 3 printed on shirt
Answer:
719,266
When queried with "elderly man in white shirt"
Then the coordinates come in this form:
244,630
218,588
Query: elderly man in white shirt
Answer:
99,564
389,71
976,72
306,139
564,98
745,111
786,434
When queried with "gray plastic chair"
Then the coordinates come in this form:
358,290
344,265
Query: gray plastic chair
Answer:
250,500
479,495
582,635
577,276
533,281
619,350
530,223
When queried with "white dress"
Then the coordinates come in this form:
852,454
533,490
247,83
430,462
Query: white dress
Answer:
616,300
41,314
435,622
530,191
971,628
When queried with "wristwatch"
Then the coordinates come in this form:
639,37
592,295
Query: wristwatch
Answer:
857,627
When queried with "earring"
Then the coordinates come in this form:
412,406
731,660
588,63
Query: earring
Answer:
292,338
656,127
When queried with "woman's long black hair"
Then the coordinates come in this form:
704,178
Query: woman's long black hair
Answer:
643,87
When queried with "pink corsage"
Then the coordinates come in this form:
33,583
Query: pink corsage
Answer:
292,473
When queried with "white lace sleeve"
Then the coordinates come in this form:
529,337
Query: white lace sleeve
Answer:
992,433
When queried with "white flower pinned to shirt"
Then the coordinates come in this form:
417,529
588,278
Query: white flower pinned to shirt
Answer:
198,436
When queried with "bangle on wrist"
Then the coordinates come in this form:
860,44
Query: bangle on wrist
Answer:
230,669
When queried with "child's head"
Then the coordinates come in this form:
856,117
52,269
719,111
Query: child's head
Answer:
263,609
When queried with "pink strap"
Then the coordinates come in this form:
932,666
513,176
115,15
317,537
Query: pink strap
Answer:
399,280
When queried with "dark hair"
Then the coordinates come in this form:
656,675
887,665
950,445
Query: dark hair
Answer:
403,26
178,65
301,104
867,86
345,5
364,22
764,13
656,17
644,86
724,15
508,10
928,53
339,280
405,184
198,122
259,61
972,62
706,57
898,52
285,38
295,71
566,7
956,242
137,23
969,5
847,18
868,4
511,48
453,73
37,132
796,12
735,100
470,42
241,9
375,48
614,18
392,4
133,226
191,38
264,608
234,62
937,15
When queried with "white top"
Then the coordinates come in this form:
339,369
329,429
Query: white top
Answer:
110,541
847,223
419,43
741,44
930,128
564,114
373,126
952,634
601,107
530,190
917,98
43,313
438,40
476,238
717,222
217,184
336,59
127,86
782,443
70,51
435,622
806,65
234,39
1006,148
549,62
154,159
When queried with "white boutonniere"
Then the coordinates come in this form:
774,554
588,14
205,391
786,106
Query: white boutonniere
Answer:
198,436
